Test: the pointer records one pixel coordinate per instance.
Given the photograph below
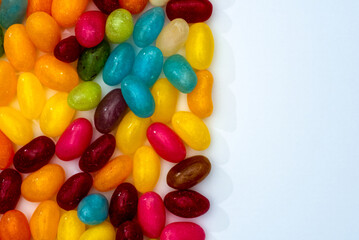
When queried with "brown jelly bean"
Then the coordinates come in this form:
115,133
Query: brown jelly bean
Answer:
129,231
192,11
10,189
68,49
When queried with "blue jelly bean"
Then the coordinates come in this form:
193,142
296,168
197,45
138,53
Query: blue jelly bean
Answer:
180,73
148,27
119,64
138,96
93,209
12,11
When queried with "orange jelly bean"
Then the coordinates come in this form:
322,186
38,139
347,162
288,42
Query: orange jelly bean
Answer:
8,83
6,152
14,226
133,6
66,12
39,6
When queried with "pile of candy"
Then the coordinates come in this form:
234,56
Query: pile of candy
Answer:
140,106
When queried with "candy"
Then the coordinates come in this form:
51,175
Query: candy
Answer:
10,184
43,184
129,231
133,6
39,6
123,205
182,231
7,83
172,37
66,12
14,226
192,11
98,153
90,28
1,42
12,11
68,50
113,173
93,209
103,231
6,151
70,227
85,96
180,73
192,130
119,26
148,27
56,115
107,6
148,65
74,190
34,155
151,214
137,96
158,3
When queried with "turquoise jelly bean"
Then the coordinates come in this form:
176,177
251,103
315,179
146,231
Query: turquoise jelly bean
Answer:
12,11
148,65
93,209
180,73
138,96
148,27
119,64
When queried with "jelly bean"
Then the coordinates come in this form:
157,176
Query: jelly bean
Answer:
148,65
146,169
172,37
92,60
93,209
43,184
189,172
165,96
166,143
158,3
56,115
43,31
113,173
129,231
10,184
12,11
119,64
6,151
66,12
39,6
148,27
183,231
1,42
55,74
74,140
70,227
17,128
103,231
119,26
107,6
180,73
74,190
192,11
14,226
44,221
98,153
19,49
68,50
90,28
31,95
192,130
131,133
34,155
7,83
137,96
110,111
200,46
85,96
151,214
133,6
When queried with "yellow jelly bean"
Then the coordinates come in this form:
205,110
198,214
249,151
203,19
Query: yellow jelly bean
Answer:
113,173
103,231
192,130
66,12
7,83
19,49
43,184
200,99
17,128
56,115
200,46
131,133
44,221
31,95
165,95
146,169
70,226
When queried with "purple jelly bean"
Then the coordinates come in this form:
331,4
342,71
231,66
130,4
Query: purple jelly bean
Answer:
129,231
68,50
10,189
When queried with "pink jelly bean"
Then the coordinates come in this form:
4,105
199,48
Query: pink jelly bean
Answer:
151,214
166,142
182,231
90,28
75,139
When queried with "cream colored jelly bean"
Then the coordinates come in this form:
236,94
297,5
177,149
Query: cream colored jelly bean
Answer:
70,226
103,231
158,3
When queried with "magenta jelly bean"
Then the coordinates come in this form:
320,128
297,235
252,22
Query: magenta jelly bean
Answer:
166,142
107,6
10,189
75,139
90,28
151,214
129,231
192,11
183,231
68,50
34,155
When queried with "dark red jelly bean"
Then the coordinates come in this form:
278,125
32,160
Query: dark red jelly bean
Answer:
74,190
34,155
110,111
123,205
68,50
129,231
192,11
186,203
107,6
10,189
98,153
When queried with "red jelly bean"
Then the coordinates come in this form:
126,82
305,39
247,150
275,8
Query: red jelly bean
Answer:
90,28
183,231
129,231
192,11
68,50
10,189
107,6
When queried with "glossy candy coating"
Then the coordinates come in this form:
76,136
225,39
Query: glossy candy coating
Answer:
192,11
133,6
183,231
39,6
12,11
107,6
10,184
1,42
158,3
85,96
7,83
90,28
93,209
103,231
6,151
119,26
70,227
129,231
68,50
67,12
14,226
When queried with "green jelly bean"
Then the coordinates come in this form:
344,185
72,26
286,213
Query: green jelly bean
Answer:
85,96
119,26
1,42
